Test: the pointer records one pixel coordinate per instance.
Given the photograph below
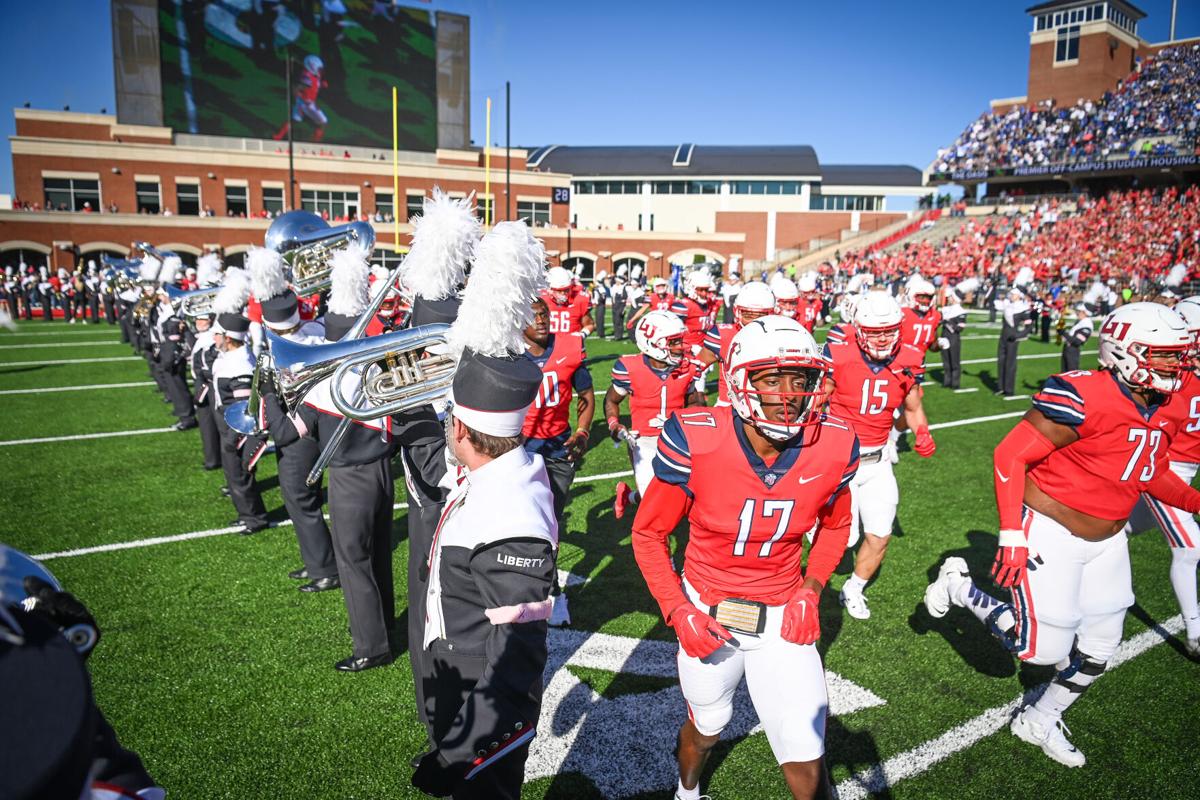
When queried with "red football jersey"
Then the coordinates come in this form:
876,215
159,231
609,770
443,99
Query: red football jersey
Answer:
1121,445
653,395
919,330
717,341
550,413
748,519
697,318
309,86
1184,410
657,303
567,317
808,312
867,392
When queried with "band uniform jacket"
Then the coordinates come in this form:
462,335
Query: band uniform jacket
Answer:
491,568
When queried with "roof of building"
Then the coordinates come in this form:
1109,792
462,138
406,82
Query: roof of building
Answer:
870,175
1056,4
683,160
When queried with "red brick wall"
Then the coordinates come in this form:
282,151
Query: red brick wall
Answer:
751,223
63,130
1099,70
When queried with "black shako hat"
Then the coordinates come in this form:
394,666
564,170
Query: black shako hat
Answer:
281,311
426,312
338,325
492,394
233,326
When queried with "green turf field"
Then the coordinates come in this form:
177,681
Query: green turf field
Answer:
219,672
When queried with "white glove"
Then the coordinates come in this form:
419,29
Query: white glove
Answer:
943,343
890,453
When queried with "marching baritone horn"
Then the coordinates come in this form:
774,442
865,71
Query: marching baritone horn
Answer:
307,243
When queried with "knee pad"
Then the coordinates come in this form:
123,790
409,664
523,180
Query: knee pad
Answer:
1079,670
1185,555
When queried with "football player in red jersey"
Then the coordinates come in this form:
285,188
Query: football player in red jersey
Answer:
1092,443
1179,527
808,305
874,376
659,299
787,296
752,479
753,301
547,428
309,85
658,382
921,319
698,310
569,307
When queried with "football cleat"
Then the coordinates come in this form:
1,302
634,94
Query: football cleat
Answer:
1192,646
1030,726
560,616
940,594
856,604
622,501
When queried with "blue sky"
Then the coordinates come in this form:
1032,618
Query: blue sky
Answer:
873,81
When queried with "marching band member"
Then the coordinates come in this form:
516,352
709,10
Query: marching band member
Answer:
202,356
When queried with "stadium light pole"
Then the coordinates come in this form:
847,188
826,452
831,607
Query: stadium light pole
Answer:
507,150
287,54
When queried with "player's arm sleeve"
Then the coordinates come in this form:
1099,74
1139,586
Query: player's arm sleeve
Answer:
663,506
712,341
582,379
500,715
673,461
833,526
1060,402
620,377
679,308
1024,445
1169,488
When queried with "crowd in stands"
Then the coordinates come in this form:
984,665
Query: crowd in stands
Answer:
1155,111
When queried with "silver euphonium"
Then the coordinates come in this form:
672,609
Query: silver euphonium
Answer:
120,273
307,243
191,303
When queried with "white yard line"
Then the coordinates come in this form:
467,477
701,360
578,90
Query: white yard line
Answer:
880,777
78,436
84,332
992,360
109,343
4,364
77,388
966,391
1016,397
955,423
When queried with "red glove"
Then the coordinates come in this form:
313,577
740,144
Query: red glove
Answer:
1011,558
801,618
699,634
924,444
629,325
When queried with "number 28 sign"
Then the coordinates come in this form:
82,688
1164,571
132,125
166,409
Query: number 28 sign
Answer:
562,194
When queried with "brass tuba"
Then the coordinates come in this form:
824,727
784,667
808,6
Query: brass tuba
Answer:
191,303
307,242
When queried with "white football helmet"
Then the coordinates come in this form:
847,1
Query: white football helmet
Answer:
659,285
314,64
659,335
807,283
786,295
559,280
753,301
877,320
698,285
774,342
1189,309
920,293
1146,345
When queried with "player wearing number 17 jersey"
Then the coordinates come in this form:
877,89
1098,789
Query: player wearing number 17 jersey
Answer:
1067,477
658,382
751,480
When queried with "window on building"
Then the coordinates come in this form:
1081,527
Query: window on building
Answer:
415,205
537,213
388,259
273,199
330,204
237,201
149,197
187,199
385,204
70,194
1067,48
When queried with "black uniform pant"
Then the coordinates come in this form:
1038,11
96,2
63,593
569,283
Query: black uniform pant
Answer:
303,504
600,308
952,362
1046,328
1006,364
454,675
94,307
1070,358
561,473
126,323
360,514
174,383
619,321
243,491
47,312
110,310
210,437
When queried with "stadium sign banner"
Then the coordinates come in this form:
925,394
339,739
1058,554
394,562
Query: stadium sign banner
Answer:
1083,168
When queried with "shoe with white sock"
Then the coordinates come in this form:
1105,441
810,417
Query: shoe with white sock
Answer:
1049,734
559,616
1192,646
940,594
856,604
701,797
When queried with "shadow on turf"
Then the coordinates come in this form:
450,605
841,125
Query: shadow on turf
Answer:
986,378
970,639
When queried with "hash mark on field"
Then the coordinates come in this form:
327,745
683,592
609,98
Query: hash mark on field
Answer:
85,436
51,363
1015,397
78,388
880,777
1025,357
965,391
108,343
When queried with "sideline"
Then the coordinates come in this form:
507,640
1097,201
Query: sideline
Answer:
77,388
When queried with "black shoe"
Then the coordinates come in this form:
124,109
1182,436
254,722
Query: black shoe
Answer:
184,425
250,530
299,574
211,467
225,491
353,664
322,584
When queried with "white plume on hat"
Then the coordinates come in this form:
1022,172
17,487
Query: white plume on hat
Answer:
380,273
966,286
444,239
234,293
208,269
348,277
149,268
170,269
497,305
266,273
1024,276
1096,291
1176,275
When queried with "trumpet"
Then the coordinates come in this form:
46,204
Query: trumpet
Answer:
307,242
